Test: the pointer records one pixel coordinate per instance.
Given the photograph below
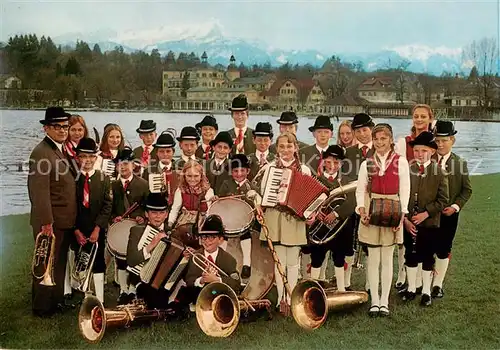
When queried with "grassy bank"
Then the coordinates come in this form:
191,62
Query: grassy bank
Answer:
468,316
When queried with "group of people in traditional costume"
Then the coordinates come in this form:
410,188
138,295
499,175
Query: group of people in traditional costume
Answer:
78,189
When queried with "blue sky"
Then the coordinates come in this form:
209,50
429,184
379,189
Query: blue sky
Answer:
350,26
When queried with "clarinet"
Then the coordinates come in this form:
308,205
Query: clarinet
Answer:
415,211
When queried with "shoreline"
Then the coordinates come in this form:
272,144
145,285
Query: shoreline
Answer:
271,113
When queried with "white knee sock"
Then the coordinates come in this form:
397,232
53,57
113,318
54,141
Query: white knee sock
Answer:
246,248
323,266
305,261
441,268
292,273
339,276
99,286
315,273
132,289
348,271
223,245
374,274
281,253
411,277
117,279
387,274
426,282
419,276
122,281
367,266
69,270
401,265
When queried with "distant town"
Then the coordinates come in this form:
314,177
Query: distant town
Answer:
35,73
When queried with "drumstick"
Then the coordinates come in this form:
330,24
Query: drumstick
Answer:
235,196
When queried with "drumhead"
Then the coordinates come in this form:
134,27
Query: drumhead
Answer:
236,214
117,238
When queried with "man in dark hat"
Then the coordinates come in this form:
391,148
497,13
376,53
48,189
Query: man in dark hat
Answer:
188,143
127,190
94,202
52,193
241,133
211,235
216,168
207,128
362,124
460,191
164,166
288,122
429,196
311,155
147,133
262,137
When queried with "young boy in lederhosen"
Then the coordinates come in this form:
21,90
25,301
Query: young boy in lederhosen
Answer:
262,137
146,152
428,197
94,202
207,128
460,191
217,167
127,190
340,246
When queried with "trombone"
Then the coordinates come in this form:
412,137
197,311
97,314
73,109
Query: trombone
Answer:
84,262
42,266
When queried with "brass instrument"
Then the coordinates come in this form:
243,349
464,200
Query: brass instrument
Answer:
218,309
42,266
312,300
82,271
94,319
204,264
358,254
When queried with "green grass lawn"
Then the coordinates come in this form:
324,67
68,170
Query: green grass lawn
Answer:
468,316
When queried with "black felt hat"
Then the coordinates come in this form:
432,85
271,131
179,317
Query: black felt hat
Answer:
165,140
444,128
208,120
223,136
239,161
146,126
263,129
156,202
335,151
86,145
124,155
189,133
322,122
239,103
362,119
425,138
288,118
55,115
212,226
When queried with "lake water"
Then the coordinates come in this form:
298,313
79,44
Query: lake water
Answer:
20,131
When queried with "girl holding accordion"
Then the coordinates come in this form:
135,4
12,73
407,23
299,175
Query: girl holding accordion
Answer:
383,182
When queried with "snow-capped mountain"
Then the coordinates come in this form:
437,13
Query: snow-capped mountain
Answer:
219,46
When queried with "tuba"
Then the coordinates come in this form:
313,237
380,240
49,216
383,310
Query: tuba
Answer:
312,300
218,309
93,319
42,266
82,271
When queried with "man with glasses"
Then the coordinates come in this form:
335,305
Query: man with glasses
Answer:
52,193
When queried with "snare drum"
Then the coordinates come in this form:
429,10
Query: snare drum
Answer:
236,214
117,238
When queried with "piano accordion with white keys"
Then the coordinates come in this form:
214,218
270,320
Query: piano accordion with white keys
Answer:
108,167
298,192
157,183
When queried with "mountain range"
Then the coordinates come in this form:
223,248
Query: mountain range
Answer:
219,47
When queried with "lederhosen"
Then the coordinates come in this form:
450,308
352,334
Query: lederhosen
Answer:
97,214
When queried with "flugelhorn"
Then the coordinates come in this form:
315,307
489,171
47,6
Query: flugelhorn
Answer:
312,300
42,266
218,309
94,319
204,264
82,271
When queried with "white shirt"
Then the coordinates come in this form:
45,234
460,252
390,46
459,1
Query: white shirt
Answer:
186,158
145,252
259,153
197,282
400,147
404,183
129,179
369,145
321,150
58,145
177,204
91,173
327,175
163,166
218,162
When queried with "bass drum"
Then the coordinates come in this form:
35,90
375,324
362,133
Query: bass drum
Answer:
117,238
236,214
262,277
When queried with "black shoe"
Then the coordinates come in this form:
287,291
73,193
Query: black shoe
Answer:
426,300
348,289
408,296
116,284
122,299
418,291
400,286
437,292
403,290
245,272
384,311
374,311
131,297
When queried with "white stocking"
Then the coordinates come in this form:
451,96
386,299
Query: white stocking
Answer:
281,253
322,273
387,274
419,276
367,279
441,268
99,286
246,248
122,281
69,269
348,271
315,273
411,277
339,276
374,274
401,265
426,282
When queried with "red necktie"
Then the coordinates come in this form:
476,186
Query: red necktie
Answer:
421,169
331,178
440,161
211,259
262,160
125,186
145,156
207,153
364,149
86,191
240,149
320,164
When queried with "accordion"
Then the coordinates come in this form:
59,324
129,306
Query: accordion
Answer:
300,193
164,183
108,167
157,183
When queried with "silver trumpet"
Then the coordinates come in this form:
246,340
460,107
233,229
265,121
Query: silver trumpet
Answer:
82,271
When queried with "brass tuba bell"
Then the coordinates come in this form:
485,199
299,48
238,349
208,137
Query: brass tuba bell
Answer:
312,300
42,266
218,309
84,262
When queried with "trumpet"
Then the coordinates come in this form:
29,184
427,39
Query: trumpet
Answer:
204,264
42,266
82,271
